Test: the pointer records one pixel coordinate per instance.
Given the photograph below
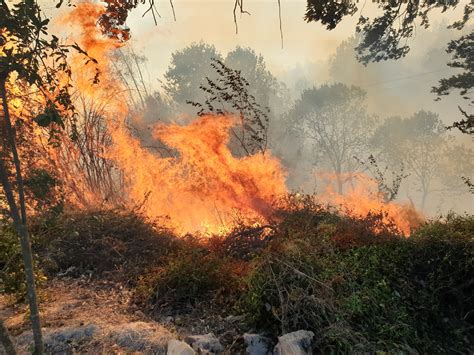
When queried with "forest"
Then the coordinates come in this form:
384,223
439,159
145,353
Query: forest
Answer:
175,183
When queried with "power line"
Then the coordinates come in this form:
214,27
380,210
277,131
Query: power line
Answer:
404,78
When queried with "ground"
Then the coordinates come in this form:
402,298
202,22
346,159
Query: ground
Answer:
89,316
81,315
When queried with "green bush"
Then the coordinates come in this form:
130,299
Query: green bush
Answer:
396,294
192,274
12,273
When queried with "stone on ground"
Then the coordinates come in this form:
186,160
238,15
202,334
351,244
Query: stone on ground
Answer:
205,344
177,347
257,344
296,343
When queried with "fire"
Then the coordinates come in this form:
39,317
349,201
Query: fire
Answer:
204,184
200,186
363,198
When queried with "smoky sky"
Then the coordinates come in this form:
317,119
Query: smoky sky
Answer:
307,56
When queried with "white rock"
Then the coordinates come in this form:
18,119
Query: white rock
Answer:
205,344
257,344
296,343
177,347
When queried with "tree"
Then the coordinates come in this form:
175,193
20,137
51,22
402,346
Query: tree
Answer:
229,94
130,68
262,84
386,37
24,49
388,186
334,119
457,168
417,142
188,70
462,50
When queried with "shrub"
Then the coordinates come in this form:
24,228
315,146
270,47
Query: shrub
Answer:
12,273
120,244
192,274
396,294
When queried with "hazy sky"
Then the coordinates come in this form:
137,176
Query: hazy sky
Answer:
308,48
212,22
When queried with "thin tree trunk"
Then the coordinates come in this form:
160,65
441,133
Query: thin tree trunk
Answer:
5,340
19,221
339,182
423,199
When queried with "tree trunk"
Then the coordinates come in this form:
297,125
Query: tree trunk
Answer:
5,340
339,182
423,199
19,221
425,191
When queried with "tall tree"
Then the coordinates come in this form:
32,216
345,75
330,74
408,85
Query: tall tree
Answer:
24,51
333,118
462,51
418,142
189,69
386,35
262,84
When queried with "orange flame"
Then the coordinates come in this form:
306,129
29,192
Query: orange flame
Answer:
363,198
201,187
202,184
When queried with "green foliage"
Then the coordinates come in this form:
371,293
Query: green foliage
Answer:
463,58
192,275
354,282
12,274
24,43
394,295
187,71
385,35
42,189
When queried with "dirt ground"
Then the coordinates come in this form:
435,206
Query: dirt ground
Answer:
81,316
98,317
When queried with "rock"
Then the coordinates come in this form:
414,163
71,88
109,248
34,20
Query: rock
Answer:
205,344
139,336
257,344
70,271
296,343
177,347
62,340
